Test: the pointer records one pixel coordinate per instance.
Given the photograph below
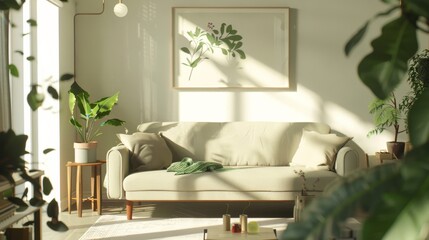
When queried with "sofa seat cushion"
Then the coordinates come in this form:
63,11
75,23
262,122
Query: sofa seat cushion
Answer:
243,179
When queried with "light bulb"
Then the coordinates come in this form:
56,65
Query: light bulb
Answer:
120,10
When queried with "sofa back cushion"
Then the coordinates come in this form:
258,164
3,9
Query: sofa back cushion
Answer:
317,149
148,151
234,143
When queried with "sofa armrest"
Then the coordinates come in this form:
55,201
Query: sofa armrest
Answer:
347,161
117,168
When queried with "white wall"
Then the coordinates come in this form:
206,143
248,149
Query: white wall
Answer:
132,55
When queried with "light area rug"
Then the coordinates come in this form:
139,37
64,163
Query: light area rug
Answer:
118,227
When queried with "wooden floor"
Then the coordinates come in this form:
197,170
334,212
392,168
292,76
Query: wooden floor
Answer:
78,226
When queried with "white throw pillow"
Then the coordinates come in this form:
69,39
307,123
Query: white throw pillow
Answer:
316,149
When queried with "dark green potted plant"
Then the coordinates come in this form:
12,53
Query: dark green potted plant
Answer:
388,114
87,125
418,80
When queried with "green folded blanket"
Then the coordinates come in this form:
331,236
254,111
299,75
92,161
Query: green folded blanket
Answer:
188,166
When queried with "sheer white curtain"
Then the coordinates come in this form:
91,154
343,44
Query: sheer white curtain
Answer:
5,109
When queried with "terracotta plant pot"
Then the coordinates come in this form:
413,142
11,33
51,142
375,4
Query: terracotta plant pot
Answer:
85,152
396,148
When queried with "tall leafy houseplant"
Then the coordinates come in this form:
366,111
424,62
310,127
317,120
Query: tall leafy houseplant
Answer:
388,113
87,124
395,197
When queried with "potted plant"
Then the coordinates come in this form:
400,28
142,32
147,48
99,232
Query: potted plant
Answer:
389,113
87,125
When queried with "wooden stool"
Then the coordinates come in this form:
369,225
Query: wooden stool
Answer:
95,185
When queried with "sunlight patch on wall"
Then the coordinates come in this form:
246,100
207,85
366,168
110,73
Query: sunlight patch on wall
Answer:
348,123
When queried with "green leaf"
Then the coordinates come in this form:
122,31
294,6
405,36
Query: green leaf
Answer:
197,31
32,22
20,52
52,209
194,64
105,105
419,7
233,32
191,34
418,120
228,43
8,4
76,89
224,51
211,38
357,37
57,225
229,28
28,223
34,98
385,67
47,186
66,77
241,53
37,202
30,58
113,122
215,31
53,92
238,45
222,28
75,123
84,106
18,202
13,70
25,193
48,150
235,38
72,102
185,50
200,45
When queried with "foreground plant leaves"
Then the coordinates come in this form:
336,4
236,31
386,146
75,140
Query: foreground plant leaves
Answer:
384,68
395,196
404,212
47,186
357,37
22,206
34,98
55,224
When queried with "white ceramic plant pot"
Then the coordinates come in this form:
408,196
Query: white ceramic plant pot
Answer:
85,152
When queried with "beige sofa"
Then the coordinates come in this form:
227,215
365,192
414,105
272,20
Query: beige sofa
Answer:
260,161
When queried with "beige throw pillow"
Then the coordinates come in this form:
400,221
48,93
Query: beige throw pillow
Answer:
148,151
316,149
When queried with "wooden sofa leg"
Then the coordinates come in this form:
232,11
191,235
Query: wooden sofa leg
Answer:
129,210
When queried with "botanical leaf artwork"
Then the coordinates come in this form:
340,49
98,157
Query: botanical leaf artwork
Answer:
213,41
